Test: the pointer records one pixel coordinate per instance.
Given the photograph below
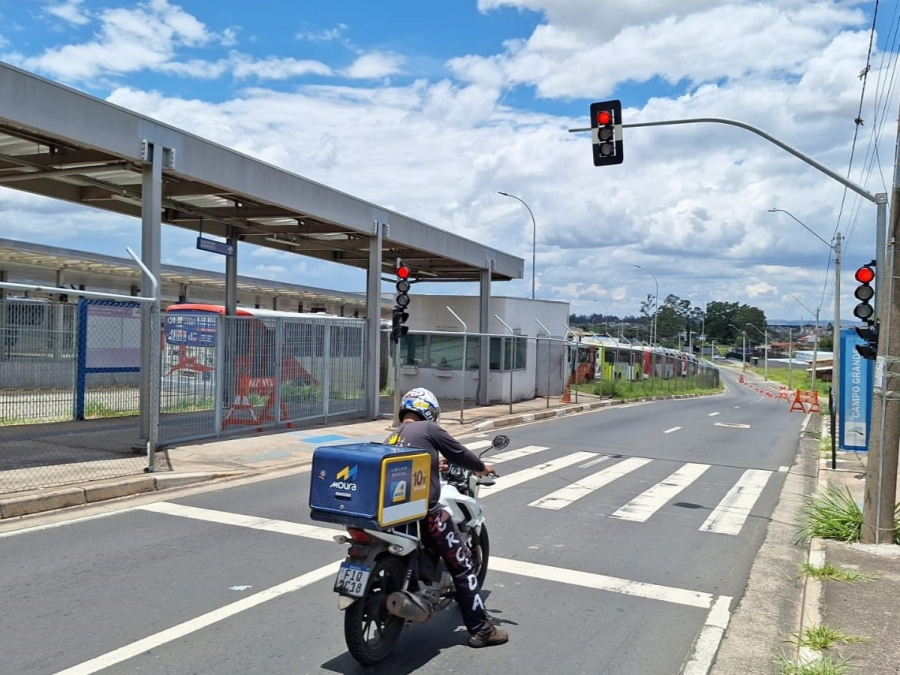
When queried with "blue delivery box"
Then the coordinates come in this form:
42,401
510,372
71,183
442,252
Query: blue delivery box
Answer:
369,485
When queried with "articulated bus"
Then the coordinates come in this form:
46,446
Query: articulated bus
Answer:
616,360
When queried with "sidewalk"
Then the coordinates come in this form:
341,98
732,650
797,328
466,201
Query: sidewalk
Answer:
867,609
249,454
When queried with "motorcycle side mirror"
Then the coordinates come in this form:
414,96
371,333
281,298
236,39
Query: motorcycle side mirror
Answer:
500,442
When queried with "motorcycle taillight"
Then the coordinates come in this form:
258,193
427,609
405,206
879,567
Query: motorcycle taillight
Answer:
359,536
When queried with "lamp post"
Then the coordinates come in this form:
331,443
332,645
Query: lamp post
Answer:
653,335
703,320
836,330
765,348
533,237
812,377
743,347
606,313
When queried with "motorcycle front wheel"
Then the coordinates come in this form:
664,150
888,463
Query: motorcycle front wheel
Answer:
370,632
480,546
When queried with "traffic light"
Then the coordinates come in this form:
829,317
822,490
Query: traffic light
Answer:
400,315
865,275
606,132
869,333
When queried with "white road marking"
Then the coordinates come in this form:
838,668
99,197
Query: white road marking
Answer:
565,496
253,522
731,425
200,622
712,414
515,454
593,462
669,431
478,445
783,469
710,637
50,526
678,596
646,504
559,574
731,513
524,475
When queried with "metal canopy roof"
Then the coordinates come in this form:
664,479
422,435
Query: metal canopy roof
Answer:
58,142
36,263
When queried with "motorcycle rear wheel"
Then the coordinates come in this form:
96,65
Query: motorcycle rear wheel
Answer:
480,546
369,631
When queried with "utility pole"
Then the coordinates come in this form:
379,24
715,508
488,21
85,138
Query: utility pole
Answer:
884,438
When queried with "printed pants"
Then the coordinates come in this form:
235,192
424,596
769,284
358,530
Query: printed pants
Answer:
446,538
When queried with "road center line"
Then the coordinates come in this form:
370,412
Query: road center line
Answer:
669,431
712,414
602,582
192,625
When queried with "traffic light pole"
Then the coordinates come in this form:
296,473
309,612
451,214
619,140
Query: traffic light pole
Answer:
884,439
881,467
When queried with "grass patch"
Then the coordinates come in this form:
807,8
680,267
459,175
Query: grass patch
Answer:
821,638
829,572
835,515
632,389
823,666
93,410
832,515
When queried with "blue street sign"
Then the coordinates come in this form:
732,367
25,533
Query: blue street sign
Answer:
213,246
856,394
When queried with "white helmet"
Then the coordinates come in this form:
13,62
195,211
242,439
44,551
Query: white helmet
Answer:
421,402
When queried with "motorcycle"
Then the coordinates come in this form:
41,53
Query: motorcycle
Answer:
390,578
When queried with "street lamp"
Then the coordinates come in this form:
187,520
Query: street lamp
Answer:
743,347
533,237
836,334
765,348
703,326
653,335
812,377
606,313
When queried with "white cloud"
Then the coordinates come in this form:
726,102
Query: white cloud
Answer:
374,65
71,11
129,40
322,35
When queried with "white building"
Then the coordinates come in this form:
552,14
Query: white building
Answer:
522,358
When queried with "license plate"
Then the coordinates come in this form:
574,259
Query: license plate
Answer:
352,579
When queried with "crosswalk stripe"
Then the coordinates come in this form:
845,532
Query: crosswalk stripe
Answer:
649,502
524,475
731,513
565,496
514,454
474,446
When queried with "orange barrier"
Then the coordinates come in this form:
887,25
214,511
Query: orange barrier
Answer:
242,403
783,394
803,398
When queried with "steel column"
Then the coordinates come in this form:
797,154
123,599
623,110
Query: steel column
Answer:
373,321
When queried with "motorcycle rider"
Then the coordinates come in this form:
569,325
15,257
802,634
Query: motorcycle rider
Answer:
419,412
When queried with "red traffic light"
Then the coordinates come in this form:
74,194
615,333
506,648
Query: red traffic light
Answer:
604,117
865,275
403,272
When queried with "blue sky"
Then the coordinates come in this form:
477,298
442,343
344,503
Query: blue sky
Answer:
449,101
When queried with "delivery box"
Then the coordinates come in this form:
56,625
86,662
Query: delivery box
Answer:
369,485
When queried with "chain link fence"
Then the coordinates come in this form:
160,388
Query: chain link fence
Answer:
69,391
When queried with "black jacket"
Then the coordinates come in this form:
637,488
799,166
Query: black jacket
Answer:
431,436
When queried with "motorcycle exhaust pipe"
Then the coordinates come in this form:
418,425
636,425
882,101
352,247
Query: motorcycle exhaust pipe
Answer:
408,606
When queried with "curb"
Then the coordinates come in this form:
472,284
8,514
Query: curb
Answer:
52,499
542,415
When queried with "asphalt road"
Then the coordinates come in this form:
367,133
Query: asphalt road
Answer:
619,538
